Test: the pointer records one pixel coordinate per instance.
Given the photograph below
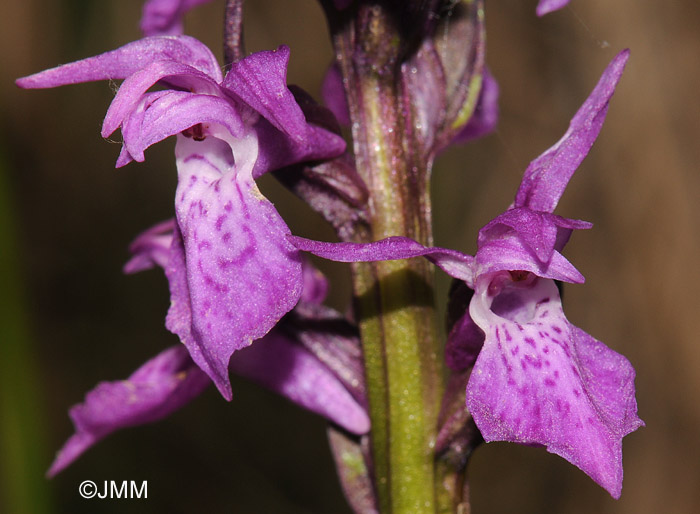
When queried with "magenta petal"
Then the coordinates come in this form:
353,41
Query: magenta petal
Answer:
260,80
547,176
242,274
151,248
540,231
157,389
509,253
540,380
485,117
452,262
171,113
284,366
164,17
537,230
132,126
133,88
547,6
127,60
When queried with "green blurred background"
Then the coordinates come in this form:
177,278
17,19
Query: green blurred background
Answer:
69,318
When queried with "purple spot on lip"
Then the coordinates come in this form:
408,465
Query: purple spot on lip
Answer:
556,329
226,237
531,342
536,363
549,382
244,205
220,221
228,207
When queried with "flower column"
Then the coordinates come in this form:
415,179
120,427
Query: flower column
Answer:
394,300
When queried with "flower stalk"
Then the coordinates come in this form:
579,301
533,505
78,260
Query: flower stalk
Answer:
394,299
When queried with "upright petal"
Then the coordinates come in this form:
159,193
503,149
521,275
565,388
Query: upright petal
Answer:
540,380
155,390
260,80
242,274
547,176
127,60
292,128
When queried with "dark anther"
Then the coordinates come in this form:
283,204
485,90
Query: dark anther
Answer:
196,132
519,275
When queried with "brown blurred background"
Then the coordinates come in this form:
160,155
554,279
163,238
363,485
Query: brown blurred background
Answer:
70,319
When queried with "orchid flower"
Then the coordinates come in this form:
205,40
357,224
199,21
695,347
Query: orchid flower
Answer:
238,274
280,361
536,379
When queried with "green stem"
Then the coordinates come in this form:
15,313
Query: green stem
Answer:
395,307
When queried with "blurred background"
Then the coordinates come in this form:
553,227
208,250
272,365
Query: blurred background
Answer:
69,318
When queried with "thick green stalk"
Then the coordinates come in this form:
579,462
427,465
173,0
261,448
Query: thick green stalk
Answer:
394,299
